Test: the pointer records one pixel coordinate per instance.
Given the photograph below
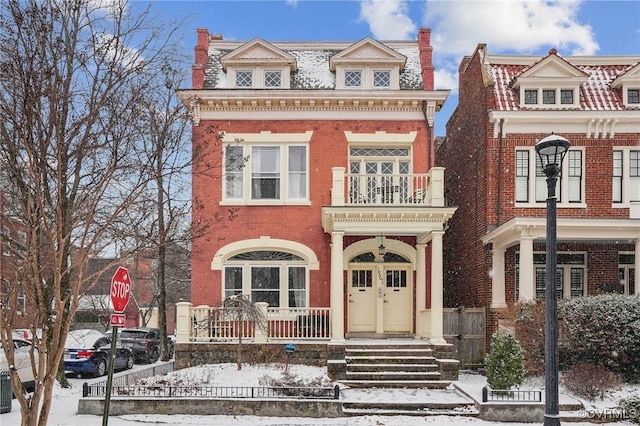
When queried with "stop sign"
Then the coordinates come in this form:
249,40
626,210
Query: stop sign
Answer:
120,289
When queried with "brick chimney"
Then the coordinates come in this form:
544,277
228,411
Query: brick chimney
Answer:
426,58
201,57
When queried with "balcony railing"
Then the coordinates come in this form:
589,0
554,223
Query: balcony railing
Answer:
213,324
426,189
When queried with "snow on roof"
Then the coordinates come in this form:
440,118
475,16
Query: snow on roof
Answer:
313,69
596,93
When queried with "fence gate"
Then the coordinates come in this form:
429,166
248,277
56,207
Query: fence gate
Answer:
464,328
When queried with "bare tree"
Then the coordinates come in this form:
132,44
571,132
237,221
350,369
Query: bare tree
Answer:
240,309
73,75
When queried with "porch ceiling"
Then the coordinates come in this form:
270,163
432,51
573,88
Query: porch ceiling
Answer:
410,221
567,229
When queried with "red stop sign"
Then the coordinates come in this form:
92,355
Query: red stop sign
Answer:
120,289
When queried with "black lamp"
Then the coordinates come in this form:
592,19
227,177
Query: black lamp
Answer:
551,151
382,250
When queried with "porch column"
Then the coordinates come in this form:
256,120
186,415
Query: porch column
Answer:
421,289
183,322
498,298
527,286
337,287
636,272
437,328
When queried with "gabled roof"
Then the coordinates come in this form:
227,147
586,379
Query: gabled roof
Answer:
367,50
257,51
599,76
630,76
551,66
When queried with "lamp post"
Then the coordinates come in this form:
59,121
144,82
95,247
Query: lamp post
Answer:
551,151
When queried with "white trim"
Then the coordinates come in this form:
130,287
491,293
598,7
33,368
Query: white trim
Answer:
264,243
380,137
267,137
371,245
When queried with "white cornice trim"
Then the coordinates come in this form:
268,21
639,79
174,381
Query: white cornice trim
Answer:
594,124
267,136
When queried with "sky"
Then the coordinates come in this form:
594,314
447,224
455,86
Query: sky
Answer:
585,27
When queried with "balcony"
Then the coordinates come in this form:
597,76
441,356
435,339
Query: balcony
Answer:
382,190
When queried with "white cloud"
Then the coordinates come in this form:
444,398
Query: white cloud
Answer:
513,26
388,19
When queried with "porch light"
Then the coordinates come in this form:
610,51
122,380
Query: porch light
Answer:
382,250
551,151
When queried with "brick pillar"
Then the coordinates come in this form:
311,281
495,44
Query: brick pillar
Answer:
426,58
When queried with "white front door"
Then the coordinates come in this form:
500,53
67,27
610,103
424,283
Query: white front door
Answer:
361,299
398,300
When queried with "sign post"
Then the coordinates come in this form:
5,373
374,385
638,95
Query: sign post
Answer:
120,294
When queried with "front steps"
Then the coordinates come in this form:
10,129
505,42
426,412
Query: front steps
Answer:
387,364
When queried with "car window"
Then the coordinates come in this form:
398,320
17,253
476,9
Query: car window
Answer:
103,341
21,344
132,334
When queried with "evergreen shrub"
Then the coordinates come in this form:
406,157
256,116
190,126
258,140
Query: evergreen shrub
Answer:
505,362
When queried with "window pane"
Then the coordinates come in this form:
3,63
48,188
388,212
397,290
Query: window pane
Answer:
381,79
634,176
265,285
541,183
522,176
575,176
232,280
549,97
352,79
530,97
617,177
633,96
234,163
265,173
272,79
244,78
297,287
566,97
297,172
577,282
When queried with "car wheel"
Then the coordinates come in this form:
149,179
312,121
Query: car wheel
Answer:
101,368
130,361
155,355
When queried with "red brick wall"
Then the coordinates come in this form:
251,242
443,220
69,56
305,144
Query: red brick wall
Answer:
327,149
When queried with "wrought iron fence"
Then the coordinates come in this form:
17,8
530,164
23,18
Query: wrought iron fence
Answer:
511,395
171,391
100,388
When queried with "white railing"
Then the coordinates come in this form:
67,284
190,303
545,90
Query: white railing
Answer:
425,189
214,324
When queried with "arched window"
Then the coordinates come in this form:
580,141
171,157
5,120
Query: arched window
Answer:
276,277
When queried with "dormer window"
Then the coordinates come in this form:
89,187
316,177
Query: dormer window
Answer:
531,97
273,78
353,78
244,78
633,96
382,79
549,97
566,97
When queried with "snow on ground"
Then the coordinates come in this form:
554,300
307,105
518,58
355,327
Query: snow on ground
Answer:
65,402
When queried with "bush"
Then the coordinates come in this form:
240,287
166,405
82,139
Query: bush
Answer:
605,330
505,362
631,406
529,330
590,381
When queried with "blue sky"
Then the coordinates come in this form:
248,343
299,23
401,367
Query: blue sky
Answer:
506,26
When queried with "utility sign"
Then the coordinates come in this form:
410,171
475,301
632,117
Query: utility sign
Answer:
118,320
120,289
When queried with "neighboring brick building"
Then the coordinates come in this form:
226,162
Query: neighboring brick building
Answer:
495,248
328,154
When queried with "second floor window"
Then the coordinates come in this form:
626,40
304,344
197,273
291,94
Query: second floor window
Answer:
570,185
566,97
272,79
257,172
244,78
549,97
530,97
633,96
381,79
626,176
353,78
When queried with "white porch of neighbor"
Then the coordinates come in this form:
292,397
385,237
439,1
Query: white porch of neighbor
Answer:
523,231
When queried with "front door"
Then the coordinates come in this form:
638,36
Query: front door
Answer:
362,301
397,310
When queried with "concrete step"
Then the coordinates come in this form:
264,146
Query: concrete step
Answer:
407,412
389,352
390,367
395,384
392,375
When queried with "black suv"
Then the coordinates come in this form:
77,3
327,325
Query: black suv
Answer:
144,342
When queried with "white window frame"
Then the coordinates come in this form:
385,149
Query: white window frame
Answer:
558,97
283,267
626,185
565,270
353,70
264,77
244,70
625,96
285,142
367,79
539,182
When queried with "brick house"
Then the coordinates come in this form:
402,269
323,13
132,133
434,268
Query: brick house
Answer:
327,163
495,248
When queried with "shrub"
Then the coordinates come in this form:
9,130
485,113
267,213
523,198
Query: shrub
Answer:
605,330
505,362
529,330
590,381
631,406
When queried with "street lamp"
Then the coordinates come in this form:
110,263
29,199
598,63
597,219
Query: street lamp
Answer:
551,151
